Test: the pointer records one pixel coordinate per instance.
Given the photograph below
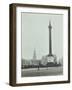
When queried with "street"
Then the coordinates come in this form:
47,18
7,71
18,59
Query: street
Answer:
47,71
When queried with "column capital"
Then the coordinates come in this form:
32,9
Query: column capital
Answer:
50,27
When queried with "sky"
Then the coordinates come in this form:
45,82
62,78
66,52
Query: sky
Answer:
35,34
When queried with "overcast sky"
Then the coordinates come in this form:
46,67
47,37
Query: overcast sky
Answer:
35,34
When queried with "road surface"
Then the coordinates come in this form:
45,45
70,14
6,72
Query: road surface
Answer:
50,71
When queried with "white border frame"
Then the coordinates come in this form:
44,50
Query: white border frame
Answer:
63,77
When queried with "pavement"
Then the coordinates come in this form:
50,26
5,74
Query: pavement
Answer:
47,71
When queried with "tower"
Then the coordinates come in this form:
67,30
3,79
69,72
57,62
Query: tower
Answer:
34,55
50,39
50,58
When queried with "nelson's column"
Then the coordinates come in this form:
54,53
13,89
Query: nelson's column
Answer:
50,57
